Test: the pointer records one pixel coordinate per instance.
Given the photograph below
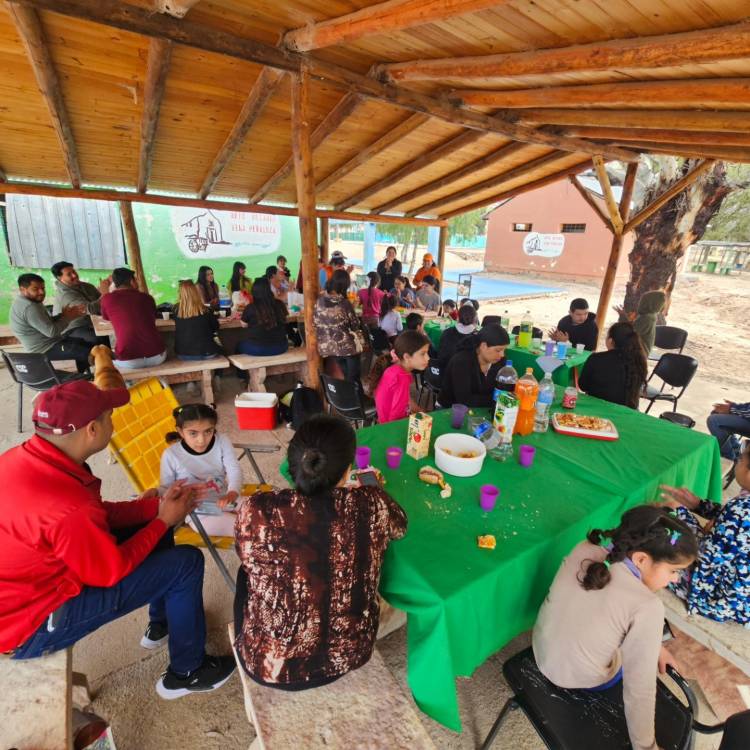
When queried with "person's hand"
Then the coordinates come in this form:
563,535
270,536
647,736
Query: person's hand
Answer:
675,497
667,660
619,309
228,499
722,408
103,285
178,501
148,494
70,312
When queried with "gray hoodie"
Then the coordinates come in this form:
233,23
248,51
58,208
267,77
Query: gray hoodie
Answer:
83,294
649,306
34,327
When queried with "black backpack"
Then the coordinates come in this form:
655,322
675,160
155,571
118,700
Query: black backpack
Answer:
305,403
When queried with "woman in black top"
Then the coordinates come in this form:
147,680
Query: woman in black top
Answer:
389,269
452,338
207,287
618,374
195,326
471,374
265,320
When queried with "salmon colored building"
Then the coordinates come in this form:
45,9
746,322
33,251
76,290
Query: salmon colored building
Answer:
552,231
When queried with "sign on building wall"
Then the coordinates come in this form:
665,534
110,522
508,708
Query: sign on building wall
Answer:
544,245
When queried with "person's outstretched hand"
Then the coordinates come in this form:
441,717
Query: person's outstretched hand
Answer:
722,408
178,501
675,497
228,499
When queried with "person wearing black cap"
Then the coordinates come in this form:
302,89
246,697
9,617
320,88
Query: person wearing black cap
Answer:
70,562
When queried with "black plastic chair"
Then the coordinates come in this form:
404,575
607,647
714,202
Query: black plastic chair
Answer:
584,720
668,338
346,399
431,384
490,319
378,340
675,370
536,333
36,372
676,418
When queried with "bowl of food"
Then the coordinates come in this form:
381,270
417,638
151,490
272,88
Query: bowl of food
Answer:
459,455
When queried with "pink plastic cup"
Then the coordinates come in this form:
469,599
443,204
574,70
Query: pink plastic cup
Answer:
362,457
488,494
393,457
526,455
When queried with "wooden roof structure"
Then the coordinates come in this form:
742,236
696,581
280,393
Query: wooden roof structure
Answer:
421,109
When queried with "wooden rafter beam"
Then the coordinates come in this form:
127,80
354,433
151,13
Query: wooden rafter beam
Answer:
30,188
668,194
157,69
3,176
141,21
489,183
29,28
508,194
665,50
609,196
425,159
382,18
586,195
263,89
661,135
699,151
710,93
404,128
500,154
176,8
345,106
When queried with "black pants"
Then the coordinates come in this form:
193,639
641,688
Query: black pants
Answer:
87,335
71,348
351,367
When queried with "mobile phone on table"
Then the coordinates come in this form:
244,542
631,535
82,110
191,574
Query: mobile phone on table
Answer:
368,479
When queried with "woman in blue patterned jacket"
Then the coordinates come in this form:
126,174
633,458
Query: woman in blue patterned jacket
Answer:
718,586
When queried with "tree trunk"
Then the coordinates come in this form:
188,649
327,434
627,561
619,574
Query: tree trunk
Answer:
662,239
415,241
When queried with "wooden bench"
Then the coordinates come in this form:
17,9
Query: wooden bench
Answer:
258,368
730,640
362,709
181,371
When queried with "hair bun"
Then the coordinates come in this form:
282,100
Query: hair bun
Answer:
313,462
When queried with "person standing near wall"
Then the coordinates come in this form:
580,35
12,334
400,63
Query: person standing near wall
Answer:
389,269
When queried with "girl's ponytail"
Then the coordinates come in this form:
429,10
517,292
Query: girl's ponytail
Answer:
374,279
628,343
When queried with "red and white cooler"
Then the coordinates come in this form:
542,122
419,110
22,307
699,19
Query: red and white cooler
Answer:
257,411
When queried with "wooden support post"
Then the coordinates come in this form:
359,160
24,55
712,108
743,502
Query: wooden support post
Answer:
442,244
325,239
609,197
132,244
608,283
305,181
586,195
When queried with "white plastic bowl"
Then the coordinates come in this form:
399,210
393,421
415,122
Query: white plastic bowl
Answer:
458,443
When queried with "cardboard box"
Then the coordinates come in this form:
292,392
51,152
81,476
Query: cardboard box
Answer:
418,435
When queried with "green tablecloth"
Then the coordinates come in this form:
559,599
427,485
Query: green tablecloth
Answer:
434,329
464,603
563,375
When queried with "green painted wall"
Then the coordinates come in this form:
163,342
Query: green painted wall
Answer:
164,263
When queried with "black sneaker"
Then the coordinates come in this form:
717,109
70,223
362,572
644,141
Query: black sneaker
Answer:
212,674
156,635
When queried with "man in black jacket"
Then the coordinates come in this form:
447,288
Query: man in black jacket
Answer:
578,327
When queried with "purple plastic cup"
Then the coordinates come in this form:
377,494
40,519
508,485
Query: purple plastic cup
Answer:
458,414
393,457
526,455
488,494
362,457
549,348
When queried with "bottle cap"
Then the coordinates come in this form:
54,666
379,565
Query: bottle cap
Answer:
509,363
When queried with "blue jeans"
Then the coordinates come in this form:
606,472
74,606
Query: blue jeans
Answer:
141,362
261,350
170,580
606,685
725,428
196,357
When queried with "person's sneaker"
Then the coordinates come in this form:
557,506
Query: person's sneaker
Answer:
212,674
156,635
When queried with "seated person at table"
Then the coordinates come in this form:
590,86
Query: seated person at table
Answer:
390,320
195,326
371,299
578,327
415,322
70,562
718,586
322,601
726,422
265,320
281,265
451,339
72,291
207,287
278,282
471,373
428,268
41,333
468,301
602,622
391,376
132,313
449,309
427,298
617,375
403,292
239,281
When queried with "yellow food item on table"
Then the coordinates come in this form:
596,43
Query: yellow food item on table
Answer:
486,541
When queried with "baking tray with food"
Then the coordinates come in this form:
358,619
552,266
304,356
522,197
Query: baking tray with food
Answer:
584,425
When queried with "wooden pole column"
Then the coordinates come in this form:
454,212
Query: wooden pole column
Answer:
305,181
132,244
325,239
442,243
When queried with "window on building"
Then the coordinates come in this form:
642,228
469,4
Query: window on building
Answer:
573,228
521,227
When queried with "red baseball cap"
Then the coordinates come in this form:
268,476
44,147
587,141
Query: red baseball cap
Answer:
72,405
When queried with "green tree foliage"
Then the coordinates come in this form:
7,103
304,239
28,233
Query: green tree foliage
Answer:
732,222
467,226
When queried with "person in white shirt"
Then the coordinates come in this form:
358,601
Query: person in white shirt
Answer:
390,320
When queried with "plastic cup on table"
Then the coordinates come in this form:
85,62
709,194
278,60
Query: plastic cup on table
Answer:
165,315
393,457
526,455
562,347
362,457
458,413
549,348
536,344
580,348
488,494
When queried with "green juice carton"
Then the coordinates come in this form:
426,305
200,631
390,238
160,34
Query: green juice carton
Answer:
506,412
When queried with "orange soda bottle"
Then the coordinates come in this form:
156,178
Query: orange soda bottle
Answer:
526,391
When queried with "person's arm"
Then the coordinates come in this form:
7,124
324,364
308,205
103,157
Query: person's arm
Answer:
740,410
396,268
167,470
132,512
37,317
397,519
585,381
590,336
213,323
231,465
399,323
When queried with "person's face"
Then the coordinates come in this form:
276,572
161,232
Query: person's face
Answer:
99,433
281,263
197,434
240,270
491,354
399,285
579,316
657,575
426,264
209,276
34,291
390,254
69,276
419,360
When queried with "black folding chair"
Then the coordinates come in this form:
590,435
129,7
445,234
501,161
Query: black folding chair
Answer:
490,319
536,333
675,370
378,340
584,720
345,398
676,418
36,372
668,338
430,384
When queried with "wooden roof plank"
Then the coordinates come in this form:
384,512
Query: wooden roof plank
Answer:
609,197
662,135
176,8
595,205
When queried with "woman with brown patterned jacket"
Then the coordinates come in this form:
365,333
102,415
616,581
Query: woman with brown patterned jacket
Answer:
306,608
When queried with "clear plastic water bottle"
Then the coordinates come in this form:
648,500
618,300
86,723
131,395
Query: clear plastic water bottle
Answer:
506,380
490,437
505,321
544,401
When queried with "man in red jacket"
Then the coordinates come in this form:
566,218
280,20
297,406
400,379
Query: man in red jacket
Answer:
70,563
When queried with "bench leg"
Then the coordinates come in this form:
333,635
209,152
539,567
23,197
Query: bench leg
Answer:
208,391
257,380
